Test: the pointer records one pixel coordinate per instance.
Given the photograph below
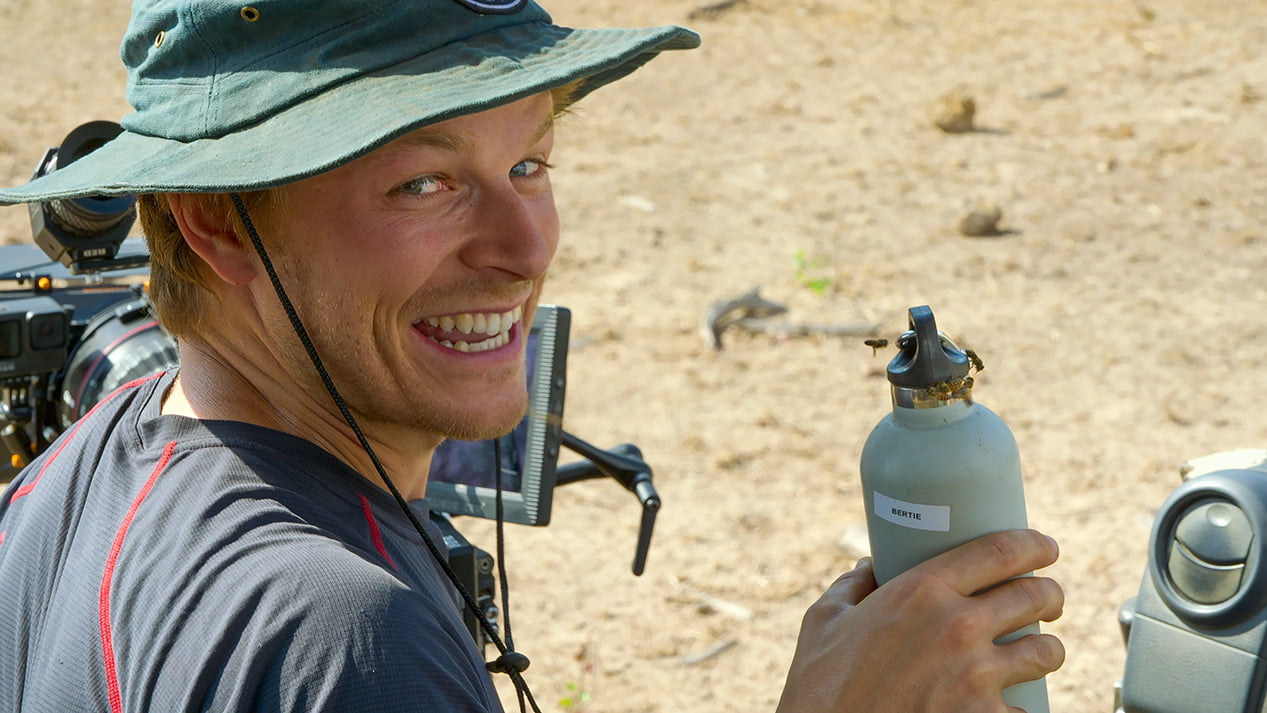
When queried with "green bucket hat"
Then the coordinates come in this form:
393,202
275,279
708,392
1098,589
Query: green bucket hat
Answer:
234,97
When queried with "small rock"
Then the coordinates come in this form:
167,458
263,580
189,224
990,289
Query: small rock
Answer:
954,112
645,205
982,222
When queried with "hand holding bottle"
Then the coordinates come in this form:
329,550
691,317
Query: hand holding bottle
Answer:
924,642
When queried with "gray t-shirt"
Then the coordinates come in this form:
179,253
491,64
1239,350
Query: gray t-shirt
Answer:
160,563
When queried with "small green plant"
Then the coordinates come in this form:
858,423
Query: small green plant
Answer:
576,698
808,273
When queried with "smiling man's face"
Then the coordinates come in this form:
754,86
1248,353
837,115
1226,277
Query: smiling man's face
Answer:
417,268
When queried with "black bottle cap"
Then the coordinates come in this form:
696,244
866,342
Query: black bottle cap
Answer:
924,358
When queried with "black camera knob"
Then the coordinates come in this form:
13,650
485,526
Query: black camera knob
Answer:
1210,550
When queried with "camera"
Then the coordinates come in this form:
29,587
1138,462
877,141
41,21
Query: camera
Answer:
74,320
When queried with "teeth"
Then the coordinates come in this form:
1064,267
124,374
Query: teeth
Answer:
497,326
494,342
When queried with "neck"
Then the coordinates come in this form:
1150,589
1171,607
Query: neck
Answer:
222,382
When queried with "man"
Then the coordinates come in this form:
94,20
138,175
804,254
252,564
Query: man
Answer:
350,217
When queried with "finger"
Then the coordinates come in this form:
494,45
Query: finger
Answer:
842,596
1030,658
853,586
1023,601
988,560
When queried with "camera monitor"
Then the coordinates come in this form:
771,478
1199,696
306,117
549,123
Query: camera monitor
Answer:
463,479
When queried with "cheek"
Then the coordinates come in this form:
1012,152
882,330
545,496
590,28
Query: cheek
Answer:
548,222
386,253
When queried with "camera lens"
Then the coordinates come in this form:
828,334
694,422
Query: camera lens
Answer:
119,345
92,215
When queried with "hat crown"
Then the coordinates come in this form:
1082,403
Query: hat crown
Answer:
203,68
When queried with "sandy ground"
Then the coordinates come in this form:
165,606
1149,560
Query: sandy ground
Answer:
1120,314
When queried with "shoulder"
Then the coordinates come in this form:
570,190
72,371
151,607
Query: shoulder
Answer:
362,639
284,621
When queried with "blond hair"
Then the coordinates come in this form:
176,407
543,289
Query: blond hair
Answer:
179,279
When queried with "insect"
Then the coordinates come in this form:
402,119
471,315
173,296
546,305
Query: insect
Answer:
876,344
974,360
950,389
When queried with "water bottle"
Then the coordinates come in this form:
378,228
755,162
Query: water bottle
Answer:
941,469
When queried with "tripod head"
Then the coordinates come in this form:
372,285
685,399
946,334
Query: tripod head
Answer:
624,463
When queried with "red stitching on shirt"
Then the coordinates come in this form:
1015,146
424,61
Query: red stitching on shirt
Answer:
26,489
375,534
103,612
2,534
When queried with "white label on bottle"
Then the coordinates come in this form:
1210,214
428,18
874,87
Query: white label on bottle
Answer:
934,518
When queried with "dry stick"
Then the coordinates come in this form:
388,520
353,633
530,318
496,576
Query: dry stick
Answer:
711,652
755,313
801,329
725,312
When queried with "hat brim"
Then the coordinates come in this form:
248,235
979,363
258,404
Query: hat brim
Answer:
351,119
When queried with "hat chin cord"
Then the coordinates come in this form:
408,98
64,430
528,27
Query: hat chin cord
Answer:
509,661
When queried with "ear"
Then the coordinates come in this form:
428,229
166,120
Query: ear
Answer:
209,235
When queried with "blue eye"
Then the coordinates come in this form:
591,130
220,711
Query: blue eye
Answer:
423,185
530,167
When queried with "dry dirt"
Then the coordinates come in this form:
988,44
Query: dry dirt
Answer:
1120,313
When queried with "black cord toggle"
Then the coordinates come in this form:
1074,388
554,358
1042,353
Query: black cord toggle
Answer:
509,662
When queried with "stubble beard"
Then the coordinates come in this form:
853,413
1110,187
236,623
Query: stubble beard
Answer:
367,395
443,416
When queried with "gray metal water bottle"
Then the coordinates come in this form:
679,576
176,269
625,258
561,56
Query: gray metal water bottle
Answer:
941,469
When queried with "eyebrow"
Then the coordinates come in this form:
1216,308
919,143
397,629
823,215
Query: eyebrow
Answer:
434,138
543,129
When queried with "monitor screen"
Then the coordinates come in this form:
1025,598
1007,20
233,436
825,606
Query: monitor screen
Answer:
463,474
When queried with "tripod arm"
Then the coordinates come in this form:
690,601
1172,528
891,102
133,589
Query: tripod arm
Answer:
623,463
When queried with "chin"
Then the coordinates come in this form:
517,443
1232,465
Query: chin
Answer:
486,423
471,432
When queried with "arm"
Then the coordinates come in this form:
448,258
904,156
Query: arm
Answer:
925,641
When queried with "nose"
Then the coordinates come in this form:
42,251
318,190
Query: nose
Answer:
516,234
